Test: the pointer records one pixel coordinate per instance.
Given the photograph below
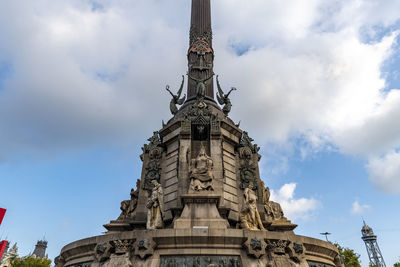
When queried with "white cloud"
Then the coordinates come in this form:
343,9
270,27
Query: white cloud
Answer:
357,208
294,208
85,73
385,171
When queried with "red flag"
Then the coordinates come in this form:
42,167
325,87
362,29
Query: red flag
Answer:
2,213
3,245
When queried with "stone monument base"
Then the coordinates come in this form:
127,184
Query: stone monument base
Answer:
171,247
200,211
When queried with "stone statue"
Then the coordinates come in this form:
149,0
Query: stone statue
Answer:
223,99
249,216
201,172
272,209
155,206
9,256
265,193
129,206
176,100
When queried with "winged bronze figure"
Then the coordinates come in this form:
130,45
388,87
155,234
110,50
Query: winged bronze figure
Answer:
223,99
176,100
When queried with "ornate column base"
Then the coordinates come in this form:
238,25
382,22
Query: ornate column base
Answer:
200,210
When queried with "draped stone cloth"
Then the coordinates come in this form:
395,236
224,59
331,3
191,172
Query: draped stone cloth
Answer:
201,172
249,216
155,207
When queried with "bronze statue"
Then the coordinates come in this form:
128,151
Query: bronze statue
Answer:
155,207
201,172
249,216
176,100
223,99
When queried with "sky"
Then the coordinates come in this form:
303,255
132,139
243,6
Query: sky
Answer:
82,87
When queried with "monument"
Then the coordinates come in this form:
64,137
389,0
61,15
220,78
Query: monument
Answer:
200,200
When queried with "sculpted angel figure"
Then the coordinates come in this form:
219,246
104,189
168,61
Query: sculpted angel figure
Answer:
249,216
155,207
223,99
176,99
201,172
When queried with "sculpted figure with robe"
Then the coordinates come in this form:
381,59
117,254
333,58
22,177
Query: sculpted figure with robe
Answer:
272,209
201,172
249,216
155,207
129,206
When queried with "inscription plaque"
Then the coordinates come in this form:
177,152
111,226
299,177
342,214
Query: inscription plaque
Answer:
200,261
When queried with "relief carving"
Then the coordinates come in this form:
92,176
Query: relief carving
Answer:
255,247
144,247
102,252
153,172
247,168
113,253
281,254
246,141
155,207
277,247
201,85
154,141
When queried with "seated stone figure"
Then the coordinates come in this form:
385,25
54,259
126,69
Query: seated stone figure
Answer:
129,206
249,216
201,172
272,209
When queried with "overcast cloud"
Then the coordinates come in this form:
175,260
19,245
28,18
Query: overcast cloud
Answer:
85,72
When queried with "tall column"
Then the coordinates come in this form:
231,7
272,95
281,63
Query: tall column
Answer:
200,54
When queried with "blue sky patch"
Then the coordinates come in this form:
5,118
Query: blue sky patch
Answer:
6,71
240,48
96,6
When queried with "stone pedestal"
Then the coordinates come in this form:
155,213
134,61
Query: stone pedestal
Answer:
200,210
118,226
280,225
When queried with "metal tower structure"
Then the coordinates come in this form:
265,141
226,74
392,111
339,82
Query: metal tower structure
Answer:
374,253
